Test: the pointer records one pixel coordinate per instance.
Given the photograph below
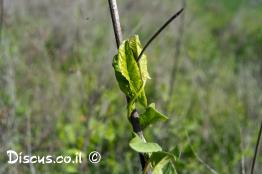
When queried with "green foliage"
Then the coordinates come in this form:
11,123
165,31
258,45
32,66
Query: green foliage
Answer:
162,162
131,76
140,145
150,116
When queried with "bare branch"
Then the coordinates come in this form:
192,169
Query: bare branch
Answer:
256,149
116,21
158,32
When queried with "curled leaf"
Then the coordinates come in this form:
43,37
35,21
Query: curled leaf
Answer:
130,74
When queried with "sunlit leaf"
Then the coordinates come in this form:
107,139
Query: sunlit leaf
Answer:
132,68
136,47
137,144
131,76
122,81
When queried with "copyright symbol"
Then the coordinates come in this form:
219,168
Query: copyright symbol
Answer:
94,157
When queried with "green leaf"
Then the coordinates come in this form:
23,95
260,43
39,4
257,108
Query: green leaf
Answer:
169,169
136,47
122,81
162,162
137,144
142,98
156,157
188,152
127,70
150,116
132,69
131,76
175,151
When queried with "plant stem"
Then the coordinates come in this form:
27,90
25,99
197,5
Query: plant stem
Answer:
158,32
256,149
134,114
115,21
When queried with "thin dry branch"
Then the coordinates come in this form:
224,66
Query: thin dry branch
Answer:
159,31
115,21
256,149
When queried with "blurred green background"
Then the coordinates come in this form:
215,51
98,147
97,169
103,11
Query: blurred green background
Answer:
58,92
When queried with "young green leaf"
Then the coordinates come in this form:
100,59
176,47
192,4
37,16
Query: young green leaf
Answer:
142,98
136,47
131,75
132,69
165,166
156,157
125,64
137,144
169,169
150,116
122,81
162,162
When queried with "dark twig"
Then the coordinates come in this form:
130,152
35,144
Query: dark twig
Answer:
134,120
256,149
134,115
158,32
